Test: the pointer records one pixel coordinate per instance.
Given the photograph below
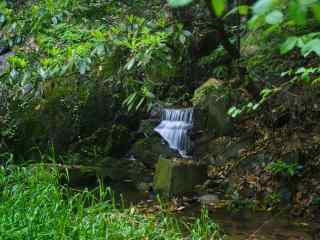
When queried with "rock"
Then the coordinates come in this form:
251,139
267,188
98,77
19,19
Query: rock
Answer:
220,150
208,199
211,109
107,168
149,148
77,175
146,127
178,176
144,186
155,112
121,169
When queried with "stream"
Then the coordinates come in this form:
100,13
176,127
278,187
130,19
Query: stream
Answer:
240,226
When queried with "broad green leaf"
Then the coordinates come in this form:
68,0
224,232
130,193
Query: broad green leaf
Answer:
311,46
288,45
187,33
130,98
265,92
82,67
131,63
43,73
2,18
100,49
218,6
300,70
256,21
263,6
140,102
274,17
231,110
316,11
179,3
243,10
182,38
255,106
297,13
250,105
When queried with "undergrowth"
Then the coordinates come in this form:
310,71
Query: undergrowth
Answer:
34,206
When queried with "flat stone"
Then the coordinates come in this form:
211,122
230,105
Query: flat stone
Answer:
178,176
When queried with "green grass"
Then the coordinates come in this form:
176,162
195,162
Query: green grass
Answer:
34,206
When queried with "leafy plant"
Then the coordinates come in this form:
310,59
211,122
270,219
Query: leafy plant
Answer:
205,228
237,203
218,5
280,167
272,199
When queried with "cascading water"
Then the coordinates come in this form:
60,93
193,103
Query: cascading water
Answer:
174,127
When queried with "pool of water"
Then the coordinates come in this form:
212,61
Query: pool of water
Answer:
258,225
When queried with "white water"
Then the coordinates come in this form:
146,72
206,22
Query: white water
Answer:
174,127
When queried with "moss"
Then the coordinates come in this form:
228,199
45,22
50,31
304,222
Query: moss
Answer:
148,150
211,106
178,176
210,86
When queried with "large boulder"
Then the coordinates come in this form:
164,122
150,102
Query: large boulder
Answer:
150,146
178,176
121,169
211,109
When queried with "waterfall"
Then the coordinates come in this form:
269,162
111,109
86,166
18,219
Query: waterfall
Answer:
174,127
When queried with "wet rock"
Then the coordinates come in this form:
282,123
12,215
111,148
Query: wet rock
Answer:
151,146
178,176
208,199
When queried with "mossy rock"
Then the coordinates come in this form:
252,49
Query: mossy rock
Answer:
149,149
151,146
211,109
178,176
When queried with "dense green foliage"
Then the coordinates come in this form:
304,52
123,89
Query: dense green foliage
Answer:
77,77
81,65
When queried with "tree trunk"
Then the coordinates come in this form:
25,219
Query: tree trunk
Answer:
223,35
